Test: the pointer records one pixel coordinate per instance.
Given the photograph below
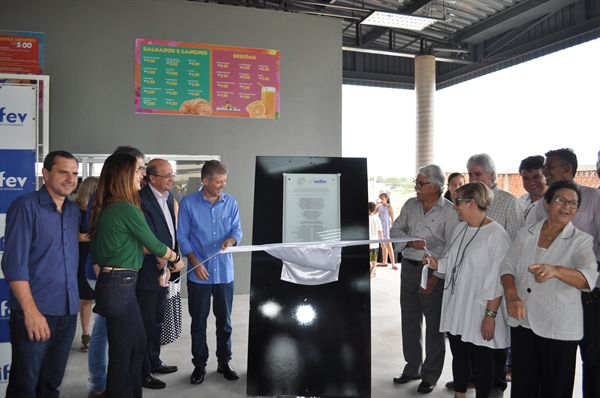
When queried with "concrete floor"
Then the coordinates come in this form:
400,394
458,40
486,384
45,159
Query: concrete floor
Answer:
386,362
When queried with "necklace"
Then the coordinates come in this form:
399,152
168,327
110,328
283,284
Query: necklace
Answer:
549,235
457,262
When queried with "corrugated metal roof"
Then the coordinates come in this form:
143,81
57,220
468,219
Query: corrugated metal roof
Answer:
471,38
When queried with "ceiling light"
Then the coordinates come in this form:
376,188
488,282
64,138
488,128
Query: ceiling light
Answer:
400,21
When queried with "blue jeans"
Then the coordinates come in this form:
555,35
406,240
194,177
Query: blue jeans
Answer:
37,368
116,301
199,307
98,355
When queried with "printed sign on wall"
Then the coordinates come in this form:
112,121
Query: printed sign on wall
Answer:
208,80
21,52
17,175
18,124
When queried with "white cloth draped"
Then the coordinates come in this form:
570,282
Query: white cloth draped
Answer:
308,263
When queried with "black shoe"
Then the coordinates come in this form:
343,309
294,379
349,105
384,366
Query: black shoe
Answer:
153,383
403,379
197,376
165,369
227,371
450,385
425,387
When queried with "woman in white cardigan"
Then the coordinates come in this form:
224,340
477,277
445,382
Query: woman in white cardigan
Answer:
543,273
472,290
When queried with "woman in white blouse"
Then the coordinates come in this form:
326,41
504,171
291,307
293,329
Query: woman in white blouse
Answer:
473,293
543,274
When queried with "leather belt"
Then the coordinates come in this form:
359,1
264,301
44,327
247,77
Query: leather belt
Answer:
111,269
413,262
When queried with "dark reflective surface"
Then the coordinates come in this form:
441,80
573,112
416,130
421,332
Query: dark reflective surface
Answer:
310,340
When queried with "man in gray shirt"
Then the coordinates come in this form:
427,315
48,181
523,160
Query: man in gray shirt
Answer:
430,217
505,208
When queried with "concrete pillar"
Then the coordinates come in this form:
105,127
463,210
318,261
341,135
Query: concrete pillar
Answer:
425,89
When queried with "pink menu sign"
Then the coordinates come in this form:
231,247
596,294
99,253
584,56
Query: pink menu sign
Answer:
207,80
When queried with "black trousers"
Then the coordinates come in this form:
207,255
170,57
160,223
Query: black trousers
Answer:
589,347
541,367
152,307
483,366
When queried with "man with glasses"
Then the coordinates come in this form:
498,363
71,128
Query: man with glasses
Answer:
159,210
561,164
430,217
534,183
505,208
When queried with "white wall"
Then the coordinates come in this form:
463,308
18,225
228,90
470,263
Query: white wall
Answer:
89,55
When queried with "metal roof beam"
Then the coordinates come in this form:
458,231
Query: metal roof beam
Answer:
378,77
414,7
590,26
373,35
551,39
512,35
499,18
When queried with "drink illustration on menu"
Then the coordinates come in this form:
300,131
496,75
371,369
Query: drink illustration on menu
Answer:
207,80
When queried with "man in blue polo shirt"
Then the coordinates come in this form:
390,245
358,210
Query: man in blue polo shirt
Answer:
40,264
209,220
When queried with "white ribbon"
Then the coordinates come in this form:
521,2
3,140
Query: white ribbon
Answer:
308,263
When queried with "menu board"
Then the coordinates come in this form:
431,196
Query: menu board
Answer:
21,52
207,80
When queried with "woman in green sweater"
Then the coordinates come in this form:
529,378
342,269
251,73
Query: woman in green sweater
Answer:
119,233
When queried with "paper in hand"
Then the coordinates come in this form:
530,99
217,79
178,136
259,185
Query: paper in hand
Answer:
425,272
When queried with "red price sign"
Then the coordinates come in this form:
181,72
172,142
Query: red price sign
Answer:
21,53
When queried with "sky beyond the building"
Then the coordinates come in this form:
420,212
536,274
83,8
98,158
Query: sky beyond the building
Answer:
547,103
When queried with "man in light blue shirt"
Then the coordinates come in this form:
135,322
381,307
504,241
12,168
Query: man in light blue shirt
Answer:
209,221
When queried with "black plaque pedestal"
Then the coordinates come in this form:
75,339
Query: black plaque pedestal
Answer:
329,356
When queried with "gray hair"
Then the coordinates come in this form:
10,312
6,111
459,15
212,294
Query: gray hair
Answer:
211,168
435,175
484,160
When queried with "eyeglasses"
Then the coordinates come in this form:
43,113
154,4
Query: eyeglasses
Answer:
562,201
141,169
420,184
167,176
458,201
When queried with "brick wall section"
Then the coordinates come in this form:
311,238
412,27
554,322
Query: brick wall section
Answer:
587,178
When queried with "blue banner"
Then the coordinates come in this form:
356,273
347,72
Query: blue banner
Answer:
17,175
4,313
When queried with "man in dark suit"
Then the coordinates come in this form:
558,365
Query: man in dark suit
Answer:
158,207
